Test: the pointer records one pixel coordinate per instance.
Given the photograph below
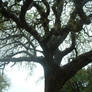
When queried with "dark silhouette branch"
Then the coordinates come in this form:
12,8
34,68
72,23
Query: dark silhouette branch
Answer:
47,6
21,20
60,54
80,11
8,14
72,47
74,24
23,23
25,59
56,40
44,15
57,9
76,64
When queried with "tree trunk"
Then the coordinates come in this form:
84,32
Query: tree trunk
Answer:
54,80
55,77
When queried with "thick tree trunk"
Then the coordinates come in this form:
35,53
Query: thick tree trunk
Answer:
54,76
54,80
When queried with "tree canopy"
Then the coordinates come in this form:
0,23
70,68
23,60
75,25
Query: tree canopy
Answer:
47,31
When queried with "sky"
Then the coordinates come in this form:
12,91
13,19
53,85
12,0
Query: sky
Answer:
22,81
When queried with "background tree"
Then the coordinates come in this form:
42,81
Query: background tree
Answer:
4,84
81,82
53,28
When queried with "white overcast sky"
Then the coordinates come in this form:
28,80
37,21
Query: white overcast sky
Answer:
22,81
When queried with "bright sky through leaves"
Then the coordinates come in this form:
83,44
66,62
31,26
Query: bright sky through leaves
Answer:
22,81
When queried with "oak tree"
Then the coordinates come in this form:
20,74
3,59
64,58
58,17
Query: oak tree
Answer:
54,28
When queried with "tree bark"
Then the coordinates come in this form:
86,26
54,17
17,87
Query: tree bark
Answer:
55,77
54,80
